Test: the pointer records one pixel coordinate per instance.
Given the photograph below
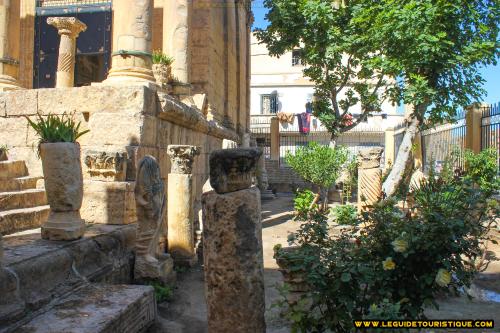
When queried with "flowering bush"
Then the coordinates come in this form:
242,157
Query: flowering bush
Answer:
391,264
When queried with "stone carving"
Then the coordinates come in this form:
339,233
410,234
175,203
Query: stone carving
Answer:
105,165
68,28
369,177
150,206
233,169
182,157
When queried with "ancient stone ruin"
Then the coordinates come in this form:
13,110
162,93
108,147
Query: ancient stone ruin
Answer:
369,177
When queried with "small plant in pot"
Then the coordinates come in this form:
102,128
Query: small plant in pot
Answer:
62,170
161,67
3,152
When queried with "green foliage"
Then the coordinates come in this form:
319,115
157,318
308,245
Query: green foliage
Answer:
318,164
54,128
351,183
161,58
482,169
345,214
419,52
163,292
395,265
302,203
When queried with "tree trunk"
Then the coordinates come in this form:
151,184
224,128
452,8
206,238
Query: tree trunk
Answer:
402,160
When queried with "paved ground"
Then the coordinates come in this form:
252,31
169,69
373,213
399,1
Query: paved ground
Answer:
186,312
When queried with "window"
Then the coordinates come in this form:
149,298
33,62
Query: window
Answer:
297,58
268,103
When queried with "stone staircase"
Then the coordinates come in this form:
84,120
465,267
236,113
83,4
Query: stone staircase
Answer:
22,205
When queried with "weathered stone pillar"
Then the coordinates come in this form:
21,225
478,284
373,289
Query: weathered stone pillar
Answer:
369,177
390,146
132,42
180,204
232,244
10,28
176,18
275,139
68,28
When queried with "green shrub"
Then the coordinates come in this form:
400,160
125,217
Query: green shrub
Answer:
396,265
161,58
302,203
162,292
345,214
54,128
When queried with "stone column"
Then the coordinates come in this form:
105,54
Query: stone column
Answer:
275,139
68,28
232,244
132,42
180,204
473,120
389,147
176,19
369,177
10,28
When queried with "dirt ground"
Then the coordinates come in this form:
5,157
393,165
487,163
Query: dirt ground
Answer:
186,312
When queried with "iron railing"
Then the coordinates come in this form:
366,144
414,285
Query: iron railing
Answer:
490,128
62,3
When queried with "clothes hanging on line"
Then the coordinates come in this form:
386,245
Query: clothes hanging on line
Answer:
285,118
304,122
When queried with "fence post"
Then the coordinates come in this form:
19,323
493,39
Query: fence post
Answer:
275,139
389,146
473,127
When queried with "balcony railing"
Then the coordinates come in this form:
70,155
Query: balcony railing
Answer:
62,3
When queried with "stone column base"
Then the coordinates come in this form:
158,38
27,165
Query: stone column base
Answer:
8,83
148,268
63,226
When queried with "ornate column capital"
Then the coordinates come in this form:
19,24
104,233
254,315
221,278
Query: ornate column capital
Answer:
70,26
182,157
370,158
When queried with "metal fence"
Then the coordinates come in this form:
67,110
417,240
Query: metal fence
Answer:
490,128
439,142
62,3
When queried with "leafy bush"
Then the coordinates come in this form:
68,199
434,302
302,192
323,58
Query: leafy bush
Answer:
318,164
162,292
302,203
54,128
161,58
351,183
482,169
396,265
345,214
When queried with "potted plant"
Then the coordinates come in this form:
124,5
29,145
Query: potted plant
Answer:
3,152
62,170
161,67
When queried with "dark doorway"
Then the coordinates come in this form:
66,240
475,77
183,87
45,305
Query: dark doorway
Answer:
93,45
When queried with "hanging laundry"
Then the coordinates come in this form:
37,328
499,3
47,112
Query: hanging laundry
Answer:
285,117
304,122
309,107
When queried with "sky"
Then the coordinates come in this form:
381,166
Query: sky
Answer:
491,73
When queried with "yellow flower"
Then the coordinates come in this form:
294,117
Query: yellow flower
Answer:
400,245
388,264
443,277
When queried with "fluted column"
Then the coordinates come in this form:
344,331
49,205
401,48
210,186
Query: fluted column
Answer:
132,42
369,177
68,28
180,204
176,18
10,28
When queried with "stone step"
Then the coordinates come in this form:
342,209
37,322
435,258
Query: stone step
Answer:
12,169
98,308
22,199
18,184
15,220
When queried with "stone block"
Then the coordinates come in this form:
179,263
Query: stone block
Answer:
108,202
232,251
18,184
22,199
12,169
21,102
15,132
16,220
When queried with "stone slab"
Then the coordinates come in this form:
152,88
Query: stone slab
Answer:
22,199
18,184
99,309
12,169
16,220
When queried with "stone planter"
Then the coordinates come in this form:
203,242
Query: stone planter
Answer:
62,172
3,154
162,74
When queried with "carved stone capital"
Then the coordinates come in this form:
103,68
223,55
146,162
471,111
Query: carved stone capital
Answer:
70,26
370,158
105,165
182,157
233,169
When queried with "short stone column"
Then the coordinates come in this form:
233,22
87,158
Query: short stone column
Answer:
232,244
181,242
176,20
369,177
132,42
10,29
68,28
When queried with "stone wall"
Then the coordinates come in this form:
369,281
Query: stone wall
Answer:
283,178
